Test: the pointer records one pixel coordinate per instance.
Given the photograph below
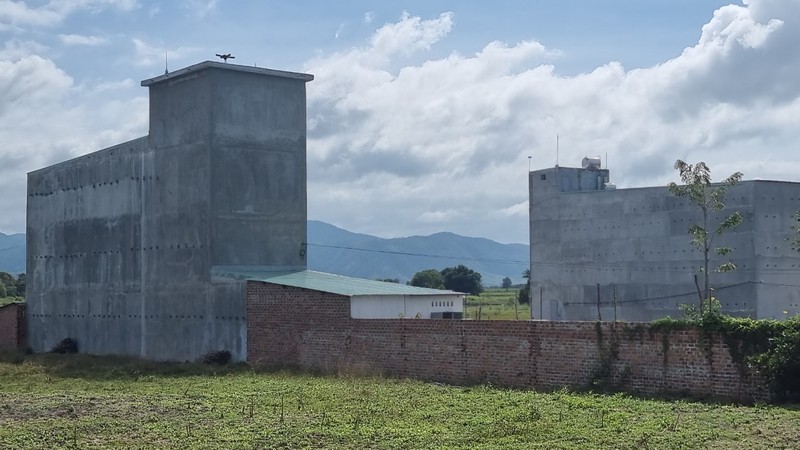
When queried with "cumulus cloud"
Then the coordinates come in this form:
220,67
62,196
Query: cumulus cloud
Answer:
45,118
78,39
410,34
15,49
444,144
402,142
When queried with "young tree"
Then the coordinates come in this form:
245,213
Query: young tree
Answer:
9,284
21,285
430,278
524,296
462,279
708,197
506,283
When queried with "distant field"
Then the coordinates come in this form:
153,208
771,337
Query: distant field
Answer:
496,304
82,402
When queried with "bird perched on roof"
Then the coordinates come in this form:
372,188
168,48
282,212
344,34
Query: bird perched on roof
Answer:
225,56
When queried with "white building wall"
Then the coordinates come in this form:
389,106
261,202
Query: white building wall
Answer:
403,306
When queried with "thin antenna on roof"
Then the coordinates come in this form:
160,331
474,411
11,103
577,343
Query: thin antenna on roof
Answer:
606,160
166,62
556,149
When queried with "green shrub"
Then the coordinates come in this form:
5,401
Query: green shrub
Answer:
781,363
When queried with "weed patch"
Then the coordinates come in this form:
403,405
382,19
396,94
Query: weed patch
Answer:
78,401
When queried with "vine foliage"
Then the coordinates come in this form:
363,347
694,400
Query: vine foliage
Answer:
770,346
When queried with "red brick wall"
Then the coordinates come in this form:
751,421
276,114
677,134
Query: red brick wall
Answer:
12,326
313,330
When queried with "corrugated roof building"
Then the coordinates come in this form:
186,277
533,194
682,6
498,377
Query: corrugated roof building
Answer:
369,299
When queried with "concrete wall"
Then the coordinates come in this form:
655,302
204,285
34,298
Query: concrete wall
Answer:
777,266
12,327
635,244
294,327
122,242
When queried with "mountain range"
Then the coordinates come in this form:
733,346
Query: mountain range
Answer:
332,249
335,250
12,253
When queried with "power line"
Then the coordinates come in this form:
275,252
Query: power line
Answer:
667,297
626,266
426,255
622,266
663,297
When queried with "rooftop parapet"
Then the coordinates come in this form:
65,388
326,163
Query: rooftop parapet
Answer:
205,65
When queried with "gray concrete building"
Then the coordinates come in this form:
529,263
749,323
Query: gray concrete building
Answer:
630,249
124,243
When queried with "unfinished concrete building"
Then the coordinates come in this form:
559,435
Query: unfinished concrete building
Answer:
628,251
146,248
124,243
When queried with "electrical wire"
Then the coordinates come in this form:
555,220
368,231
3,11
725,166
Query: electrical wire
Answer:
626,266
425,255
667,297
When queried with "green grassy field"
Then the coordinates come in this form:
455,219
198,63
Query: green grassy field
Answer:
84,402
496,304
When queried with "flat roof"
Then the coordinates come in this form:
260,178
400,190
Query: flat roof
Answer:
205,65
334,284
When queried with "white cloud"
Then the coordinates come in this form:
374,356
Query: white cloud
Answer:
20,14
520,209
439,216
147,54
398,148
200,8
369,16
411,34
445,142
15,49
45,119
78,39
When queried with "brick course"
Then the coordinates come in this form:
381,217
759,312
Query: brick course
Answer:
12,326
294,327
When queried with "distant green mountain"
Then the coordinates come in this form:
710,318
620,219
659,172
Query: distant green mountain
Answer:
335,250
12,253
339,251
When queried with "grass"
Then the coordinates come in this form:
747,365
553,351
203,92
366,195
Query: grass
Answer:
496,304
78,401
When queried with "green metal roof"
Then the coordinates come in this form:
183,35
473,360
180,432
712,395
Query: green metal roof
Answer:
338,284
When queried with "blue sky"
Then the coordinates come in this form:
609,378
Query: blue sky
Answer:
286,34
423,113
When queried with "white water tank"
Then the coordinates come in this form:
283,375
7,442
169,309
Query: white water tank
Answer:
591,162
